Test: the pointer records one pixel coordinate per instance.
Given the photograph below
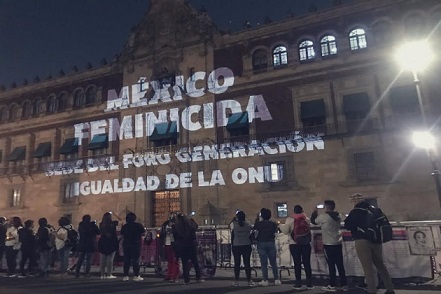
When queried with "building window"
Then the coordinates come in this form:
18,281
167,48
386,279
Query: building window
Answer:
382,34
51,104
69,192
328,45
238,125
62,102
36,107
365,168
313,116
356,108
78,99
13,112
4,115
164,202
99,144
404,100
357,39
274,172
164,134
15,200
282,210
260,61
280,56
91,96
306,50
27,110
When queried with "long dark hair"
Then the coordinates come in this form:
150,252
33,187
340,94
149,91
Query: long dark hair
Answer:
16,222
182,226
106,224
240,216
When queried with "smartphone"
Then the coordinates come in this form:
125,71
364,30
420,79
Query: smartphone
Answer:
110,212
320,206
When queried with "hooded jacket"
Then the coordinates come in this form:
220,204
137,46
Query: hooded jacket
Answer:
62,236
330,225
356,220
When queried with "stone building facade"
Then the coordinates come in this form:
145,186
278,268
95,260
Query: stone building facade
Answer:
190,118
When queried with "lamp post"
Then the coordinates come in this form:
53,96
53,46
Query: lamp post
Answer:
415,57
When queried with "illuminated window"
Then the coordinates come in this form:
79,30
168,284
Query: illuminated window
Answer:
280,56
365,167
91,96
260,61
78,101
69,192
15,197
274,172
164,202
357,39
282,210
328,46
51,104
306,50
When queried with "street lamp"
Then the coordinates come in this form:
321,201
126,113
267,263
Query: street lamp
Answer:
415,57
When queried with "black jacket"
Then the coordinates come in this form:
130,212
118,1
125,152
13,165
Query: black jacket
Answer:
357,219
3,230
43,238
108,241
88,232
27,239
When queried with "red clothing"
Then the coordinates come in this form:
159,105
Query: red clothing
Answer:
172,263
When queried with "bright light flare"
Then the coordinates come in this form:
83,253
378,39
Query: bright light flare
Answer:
414,56
423,139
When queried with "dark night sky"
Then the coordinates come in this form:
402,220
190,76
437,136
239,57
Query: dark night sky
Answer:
38,37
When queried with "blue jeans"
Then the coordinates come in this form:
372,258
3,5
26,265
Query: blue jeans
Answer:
267,250
81,257
63,258
45,260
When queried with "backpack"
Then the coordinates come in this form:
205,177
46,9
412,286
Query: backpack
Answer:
72,238
378,227
301,233
51,242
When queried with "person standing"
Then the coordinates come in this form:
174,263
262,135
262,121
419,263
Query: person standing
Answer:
332,243
63,249
266,245
27,239
184,233
12,245
241,247
132,233
301,249
3,229
370,254
45,244
166,236
107,245
88,232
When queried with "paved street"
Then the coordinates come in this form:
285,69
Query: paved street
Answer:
221,283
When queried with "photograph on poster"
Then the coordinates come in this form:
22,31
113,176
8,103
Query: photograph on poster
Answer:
421,240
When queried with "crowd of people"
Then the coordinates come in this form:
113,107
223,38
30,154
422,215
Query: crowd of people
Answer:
178,239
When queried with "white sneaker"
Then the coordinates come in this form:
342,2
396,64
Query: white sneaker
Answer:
277,283
263,283
329,288
138,279
126,278
345,288
110,277
103,277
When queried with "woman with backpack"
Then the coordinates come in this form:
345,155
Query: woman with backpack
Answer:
45,244
297,227
88,232
241,242
63,244
12,245
107,245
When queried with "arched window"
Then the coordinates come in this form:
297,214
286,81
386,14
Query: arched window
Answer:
91,96
260,59
357,39
4,115
13,112
51,104
26,110
280,56
62,102
306,50
382,33
328,45
36,107
78,99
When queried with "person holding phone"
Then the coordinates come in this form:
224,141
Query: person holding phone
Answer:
329,221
